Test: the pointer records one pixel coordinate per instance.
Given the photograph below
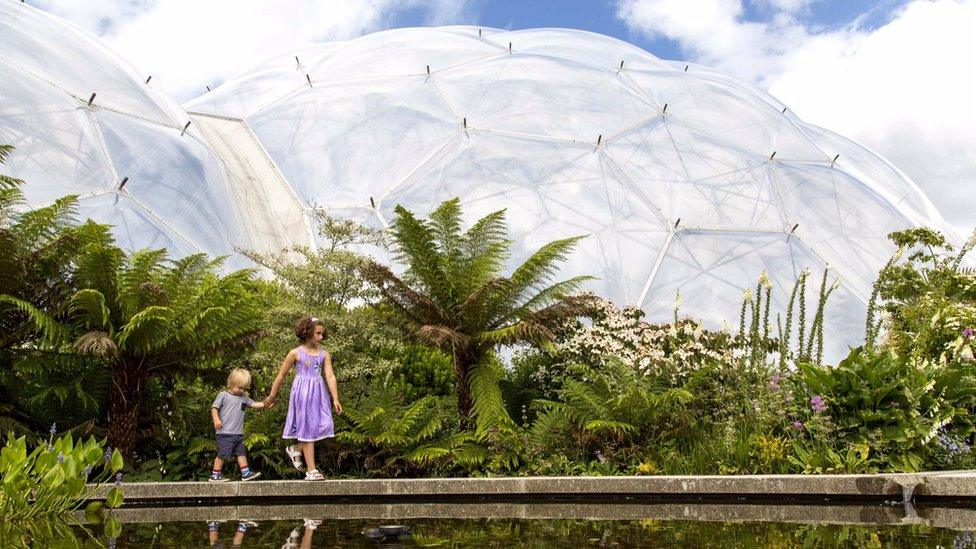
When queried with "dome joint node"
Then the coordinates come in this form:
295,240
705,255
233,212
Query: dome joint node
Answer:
479,33
772,156
148,79
464,123
599,140
372,203
509,47
123,182
298,63
834,160
208,89
676,223
792,230
665,109
621,66
784,110
91,99
686,68
309,80
183,131
428,71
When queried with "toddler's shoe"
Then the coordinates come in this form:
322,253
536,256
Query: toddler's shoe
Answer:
245,525
217,477
213,525
312,523
296,457
251,475
314,474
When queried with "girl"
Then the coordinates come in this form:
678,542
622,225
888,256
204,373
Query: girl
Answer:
309,414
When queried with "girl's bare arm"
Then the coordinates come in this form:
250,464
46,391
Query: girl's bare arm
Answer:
286,365
330,380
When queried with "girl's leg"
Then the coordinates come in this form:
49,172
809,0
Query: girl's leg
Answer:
308,449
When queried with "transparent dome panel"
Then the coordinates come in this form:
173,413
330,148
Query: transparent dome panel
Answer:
260,86
533,94
887,180
57,150
550,191
727,113
177,179
402,52
713,269
593,49
691,177
840,218
132,226
340,145
74,61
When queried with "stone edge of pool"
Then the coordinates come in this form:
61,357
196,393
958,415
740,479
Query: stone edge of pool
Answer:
897,487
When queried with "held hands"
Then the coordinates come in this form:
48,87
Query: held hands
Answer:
269,402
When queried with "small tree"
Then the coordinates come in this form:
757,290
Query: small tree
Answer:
457,299
143,315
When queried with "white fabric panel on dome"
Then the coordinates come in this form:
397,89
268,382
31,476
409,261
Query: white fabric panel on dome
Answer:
713,269
57,149
402,52
723,110
177,178
262,86
539,95
840,218
274,219
691,177
76,62
582,46
339,145
132,227
550,191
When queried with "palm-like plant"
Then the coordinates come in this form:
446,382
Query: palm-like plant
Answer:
143,315
457,299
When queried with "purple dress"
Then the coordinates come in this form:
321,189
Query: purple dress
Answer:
310,405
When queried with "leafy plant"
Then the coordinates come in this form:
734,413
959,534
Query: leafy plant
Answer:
54,478
455,296
143,315
890,404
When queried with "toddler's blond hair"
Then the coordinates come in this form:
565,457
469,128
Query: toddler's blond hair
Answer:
239,377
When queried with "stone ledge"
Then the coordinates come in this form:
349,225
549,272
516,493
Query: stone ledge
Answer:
949,484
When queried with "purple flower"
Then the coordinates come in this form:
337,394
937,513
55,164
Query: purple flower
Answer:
54,429
968,332
817,404
118,479
87,471
108,455
774,382
60,457
798,425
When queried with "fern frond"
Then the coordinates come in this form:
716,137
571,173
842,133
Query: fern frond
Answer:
91,304
53,333
489,405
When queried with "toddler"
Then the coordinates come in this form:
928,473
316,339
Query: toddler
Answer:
228,419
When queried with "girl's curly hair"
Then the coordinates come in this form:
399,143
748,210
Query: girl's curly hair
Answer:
305,327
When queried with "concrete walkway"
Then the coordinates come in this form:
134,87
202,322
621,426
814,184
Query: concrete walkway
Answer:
933,486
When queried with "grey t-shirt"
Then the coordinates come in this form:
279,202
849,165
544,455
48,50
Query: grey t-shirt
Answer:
231,408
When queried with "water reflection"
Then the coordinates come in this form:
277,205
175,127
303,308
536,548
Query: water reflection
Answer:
549,525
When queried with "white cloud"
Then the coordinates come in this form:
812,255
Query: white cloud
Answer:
906,89
187,44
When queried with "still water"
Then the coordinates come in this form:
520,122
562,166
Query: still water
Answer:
561,526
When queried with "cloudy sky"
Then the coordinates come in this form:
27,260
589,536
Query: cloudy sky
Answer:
896,75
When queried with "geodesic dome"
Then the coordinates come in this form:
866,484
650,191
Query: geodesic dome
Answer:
684,177
83,121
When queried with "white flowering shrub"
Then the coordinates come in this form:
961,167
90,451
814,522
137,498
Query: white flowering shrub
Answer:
671,351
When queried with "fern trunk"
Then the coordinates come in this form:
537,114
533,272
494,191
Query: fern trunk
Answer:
128,381
464,360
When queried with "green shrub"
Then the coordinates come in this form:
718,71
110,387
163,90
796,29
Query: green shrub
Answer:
54,478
